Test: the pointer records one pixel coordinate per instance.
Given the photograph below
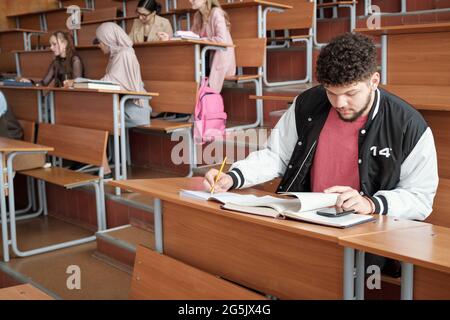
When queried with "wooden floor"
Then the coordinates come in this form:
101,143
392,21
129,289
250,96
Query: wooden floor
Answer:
98,280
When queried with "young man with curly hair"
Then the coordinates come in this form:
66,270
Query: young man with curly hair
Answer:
350,137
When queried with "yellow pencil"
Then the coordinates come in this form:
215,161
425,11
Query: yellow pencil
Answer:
218,175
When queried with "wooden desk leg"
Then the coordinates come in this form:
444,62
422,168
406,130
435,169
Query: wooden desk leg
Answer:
198,64
3,212
367,7
349,278
407,281
117,163
124,10
158,216
18,70
404,6
260,22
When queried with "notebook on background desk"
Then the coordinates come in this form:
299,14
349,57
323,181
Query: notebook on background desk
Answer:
302,206
14,83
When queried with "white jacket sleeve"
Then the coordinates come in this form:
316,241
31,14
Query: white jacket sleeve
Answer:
414,195
264,165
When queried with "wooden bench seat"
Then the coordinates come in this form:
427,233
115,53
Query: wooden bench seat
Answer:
290,38
87,146
166,126
288,99
61,176
335,4
239,78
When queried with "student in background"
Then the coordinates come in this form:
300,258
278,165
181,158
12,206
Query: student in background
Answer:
67,64
149,24
124,69
211,22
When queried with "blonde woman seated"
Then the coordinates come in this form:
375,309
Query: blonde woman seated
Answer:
66,65
124,69
149,24
212,22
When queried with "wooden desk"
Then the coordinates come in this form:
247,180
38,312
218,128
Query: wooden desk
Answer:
80,3
33,64
129,6
7,62
17,39
101,14
53,19
248,19
9,148
427,248
25,102
93,109
184,60
299,17
433,102
87,33
100,4
284,258
415,54
23,292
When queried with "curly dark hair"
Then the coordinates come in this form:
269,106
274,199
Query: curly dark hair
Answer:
349,58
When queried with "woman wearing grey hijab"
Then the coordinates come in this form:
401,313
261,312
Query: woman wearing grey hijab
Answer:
124,69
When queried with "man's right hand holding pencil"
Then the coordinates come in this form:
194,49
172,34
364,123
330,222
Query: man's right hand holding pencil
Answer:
223,184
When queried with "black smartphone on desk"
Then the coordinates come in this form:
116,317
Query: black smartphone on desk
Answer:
334,212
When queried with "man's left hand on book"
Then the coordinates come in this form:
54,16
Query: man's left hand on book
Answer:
350,198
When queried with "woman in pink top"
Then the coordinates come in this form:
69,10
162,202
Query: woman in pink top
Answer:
211,22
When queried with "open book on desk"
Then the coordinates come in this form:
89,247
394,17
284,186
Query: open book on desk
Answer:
302,206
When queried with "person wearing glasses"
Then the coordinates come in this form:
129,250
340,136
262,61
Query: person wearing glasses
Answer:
149,25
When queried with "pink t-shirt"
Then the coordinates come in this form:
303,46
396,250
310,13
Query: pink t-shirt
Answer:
336,159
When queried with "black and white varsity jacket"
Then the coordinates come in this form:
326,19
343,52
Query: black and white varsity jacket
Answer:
397,155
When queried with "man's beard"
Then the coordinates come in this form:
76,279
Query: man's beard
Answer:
360,112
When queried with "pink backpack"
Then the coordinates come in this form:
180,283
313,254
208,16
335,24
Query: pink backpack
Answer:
209,117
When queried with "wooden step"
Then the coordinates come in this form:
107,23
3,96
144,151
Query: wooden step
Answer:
23,292
118,246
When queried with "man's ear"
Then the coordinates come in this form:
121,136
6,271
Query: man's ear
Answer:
375,81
